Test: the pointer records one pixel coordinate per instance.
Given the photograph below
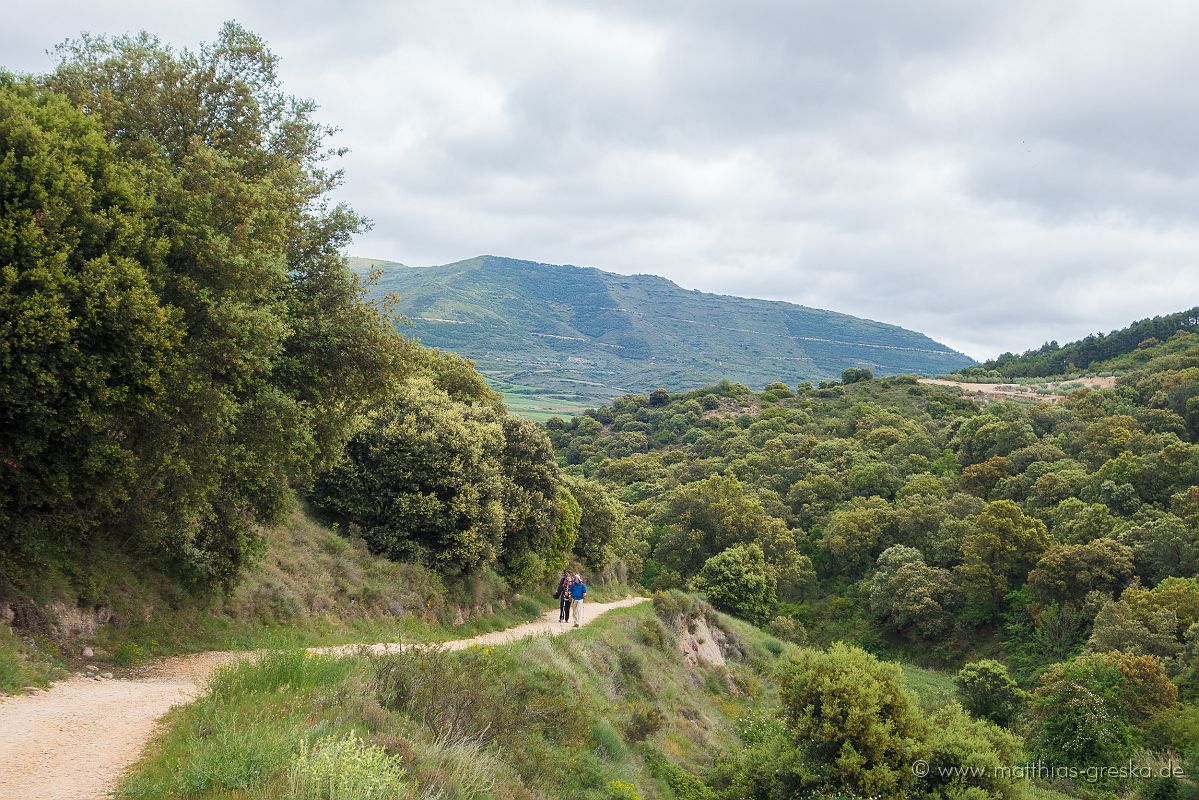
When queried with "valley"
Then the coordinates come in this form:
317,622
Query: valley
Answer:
280,523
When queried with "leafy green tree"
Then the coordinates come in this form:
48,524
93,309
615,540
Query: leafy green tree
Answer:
923,485
231,345
911,597
857,533
87,343
981,479
457,377
987,691
998,554
707,517
736,580
533,546
600,528
813,497
918,518
658,397
1185,505
1180,595
1079,718
556,556
877,479
1139,631
1163,548
1068,573
856,375
1091,711
998,432
1077,521
423,482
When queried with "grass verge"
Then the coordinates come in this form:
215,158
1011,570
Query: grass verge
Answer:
609,711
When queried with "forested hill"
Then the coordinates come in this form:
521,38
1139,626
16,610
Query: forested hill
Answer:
584,335
1054,359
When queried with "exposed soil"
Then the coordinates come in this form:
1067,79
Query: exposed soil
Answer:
1002,391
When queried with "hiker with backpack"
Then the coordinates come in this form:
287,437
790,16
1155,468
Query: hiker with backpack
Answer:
578,591
562,594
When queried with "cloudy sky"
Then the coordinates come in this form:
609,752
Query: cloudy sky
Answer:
992,174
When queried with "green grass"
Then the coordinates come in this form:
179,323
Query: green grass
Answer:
543,717
23,666
311,587
532,404
193,633
1034,792
608,711
934,689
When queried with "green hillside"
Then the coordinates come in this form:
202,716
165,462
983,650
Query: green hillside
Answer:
1088,353
564,336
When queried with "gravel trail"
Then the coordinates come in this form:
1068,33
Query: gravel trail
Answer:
75,740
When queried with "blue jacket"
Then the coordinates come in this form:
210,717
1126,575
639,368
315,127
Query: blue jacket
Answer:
577,590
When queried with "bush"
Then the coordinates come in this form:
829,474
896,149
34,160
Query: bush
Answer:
128,654
459,770
652,633
346,769
736,581
788,629
987,691
682,783
855,375
478,694
966,758
621,790
644,722
1093,709
670,605
852,721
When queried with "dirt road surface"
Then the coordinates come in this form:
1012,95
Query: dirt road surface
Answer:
75,740
1003,391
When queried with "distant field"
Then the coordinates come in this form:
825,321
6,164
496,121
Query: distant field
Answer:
539,404
539,408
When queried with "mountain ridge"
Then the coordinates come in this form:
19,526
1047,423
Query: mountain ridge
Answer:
570,336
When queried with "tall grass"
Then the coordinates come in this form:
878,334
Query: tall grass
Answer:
22,667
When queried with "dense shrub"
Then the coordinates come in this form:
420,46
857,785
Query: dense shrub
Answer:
346,769
852,721
987,691
736,581
478,694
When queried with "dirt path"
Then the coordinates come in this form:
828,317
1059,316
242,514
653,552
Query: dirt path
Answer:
1003,391
75,740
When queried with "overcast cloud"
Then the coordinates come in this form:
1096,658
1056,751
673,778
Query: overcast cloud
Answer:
992,174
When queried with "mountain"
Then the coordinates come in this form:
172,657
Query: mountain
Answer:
558,338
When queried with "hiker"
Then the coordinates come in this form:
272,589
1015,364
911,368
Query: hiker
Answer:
578,591
562,594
